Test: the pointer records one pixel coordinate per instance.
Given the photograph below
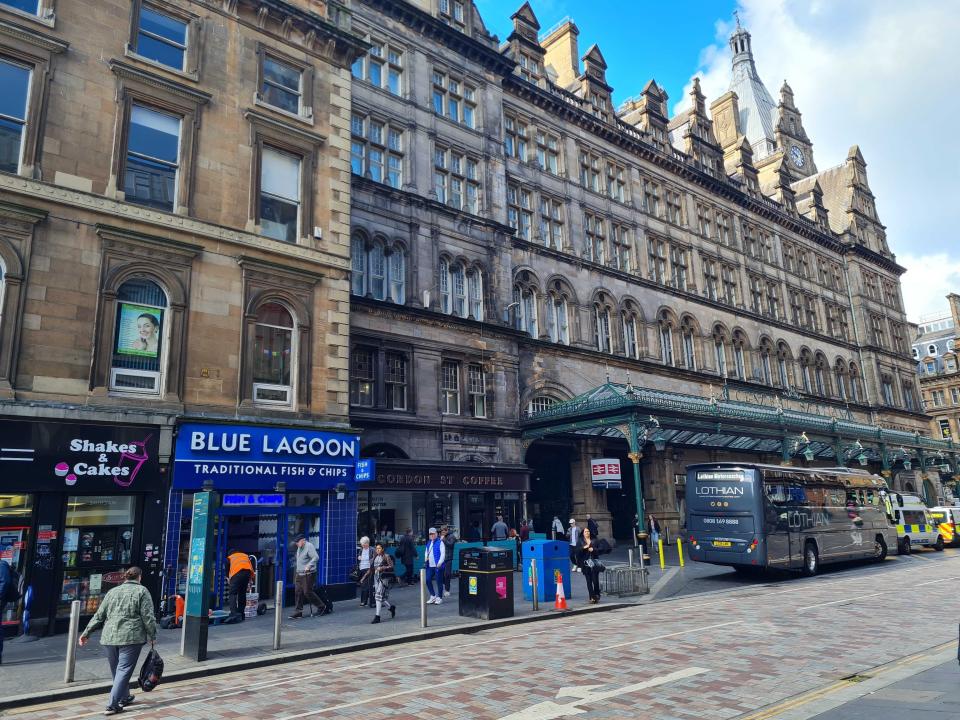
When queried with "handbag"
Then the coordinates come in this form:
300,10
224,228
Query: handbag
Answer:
151,671
355,573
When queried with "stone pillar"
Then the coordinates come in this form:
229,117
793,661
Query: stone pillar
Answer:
585,498
659,490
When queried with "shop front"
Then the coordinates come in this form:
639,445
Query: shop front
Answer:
272,484
468,498
79,503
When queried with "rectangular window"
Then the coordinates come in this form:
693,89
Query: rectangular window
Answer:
879,336
723,229
280,195
595,243
515,138
160,38
666,345
721,357
789,258
728,275
15,81
710,279
382,67
551,222
886,387
376,151
153,147
395,381
548,152
450,387
750,245
454,100
519,212
678,267
657,258
796,308
281,85
651,198
674,207
756,294
590,171
477,386
616,182
455,180
620,253
938,398
773,300
362,378
803,263
955,396
810,310
704,220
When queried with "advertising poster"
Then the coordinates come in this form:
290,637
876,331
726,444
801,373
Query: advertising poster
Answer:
138,330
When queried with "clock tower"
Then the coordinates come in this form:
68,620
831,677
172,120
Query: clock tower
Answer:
791,138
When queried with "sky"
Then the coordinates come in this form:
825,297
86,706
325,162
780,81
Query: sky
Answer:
876,73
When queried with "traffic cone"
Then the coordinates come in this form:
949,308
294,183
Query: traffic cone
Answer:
561,601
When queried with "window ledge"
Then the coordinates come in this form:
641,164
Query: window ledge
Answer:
49,19
305,119
31,36
128,52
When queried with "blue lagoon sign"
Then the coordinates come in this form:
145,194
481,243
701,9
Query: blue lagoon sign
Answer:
235,457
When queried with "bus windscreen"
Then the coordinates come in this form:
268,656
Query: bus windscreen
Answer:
729,490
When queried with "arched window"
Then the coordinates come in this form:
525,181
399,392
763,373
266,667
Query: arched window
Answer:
525,299
820,375
666,343
139,350
840,376
856,388
446,306
601,325
805,362
783,356
886,389
766,368
274,355
687,332
377,272
720,350
540,403
458,288
558,319
461,290
739,361
475,293
631,346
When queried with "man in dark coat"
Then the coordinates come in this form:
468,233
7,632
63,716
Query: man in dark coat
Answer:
406,552
593,527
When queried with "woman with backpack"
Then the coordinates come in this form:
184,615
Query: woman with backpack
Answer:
126,615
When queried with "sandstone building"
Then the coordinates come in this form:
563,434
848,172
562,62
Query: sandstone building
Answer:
174,245
519,242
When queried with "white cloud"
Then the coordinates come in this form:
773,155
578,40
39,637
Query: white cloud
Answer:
930,279
880,74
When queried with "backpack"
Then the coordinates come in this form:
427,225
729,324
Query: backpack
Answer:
14,586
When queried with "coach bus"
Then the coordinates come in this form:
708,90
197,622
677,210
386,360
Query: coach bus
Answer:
770,516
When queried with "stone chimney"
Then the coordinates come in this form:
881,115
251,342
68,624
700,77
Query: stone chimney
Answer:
562,53
954,301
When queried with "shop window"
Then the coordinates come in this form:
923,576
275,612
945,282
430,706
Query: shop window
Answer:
140,335
450,387
273,356
97,545
279,208
152,161
16,515
161,38
477,386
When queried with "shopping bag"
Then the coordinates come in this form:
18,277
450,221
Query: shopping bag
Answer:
152,671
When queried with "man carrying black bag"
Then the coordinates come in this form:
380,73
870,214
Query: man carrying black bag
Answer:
126,615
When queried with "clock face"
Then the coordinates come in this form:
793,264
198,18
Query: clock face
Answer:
796,154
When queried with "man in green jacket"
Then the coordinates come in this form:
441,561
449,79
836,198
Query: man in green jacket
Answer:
126,615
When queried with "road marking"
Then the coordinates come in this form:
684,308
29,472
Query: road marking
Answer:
552,710
668,635
378,697
846,599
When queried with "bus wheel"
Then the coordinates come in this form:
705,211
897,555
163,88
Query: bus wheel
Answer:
905,546
811,561
880,549
939,546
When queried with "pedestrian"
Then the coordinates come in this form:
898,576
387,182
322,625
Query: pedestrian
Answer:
449,543
364,560
306,578
653,530
557,527
591,565
573,539
7,590
499,530
530,524
593,527
433,560
406,552
126,615
239,572
524,532
476,535
381,571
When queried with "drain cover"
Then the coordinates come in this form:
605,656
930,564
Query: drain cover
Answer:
855,678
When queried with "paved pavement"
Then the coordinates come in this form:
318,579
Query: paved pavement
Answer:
42,661
786,649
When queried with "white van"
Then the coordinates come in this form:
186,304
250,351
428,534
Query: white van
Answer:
915,526
948,518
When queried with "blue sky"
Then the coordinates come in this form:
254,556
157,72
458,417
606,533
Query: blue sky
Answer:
876,73
657,40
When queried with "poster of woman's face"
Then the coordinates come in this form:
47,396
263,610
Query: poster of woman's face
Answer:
139,330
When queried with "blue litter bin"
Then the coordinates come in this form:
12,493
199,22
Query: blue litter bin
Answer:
551,556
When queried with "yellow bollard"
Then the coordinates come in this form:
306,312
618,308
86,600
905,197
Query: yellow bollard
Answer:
680,550
663,564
